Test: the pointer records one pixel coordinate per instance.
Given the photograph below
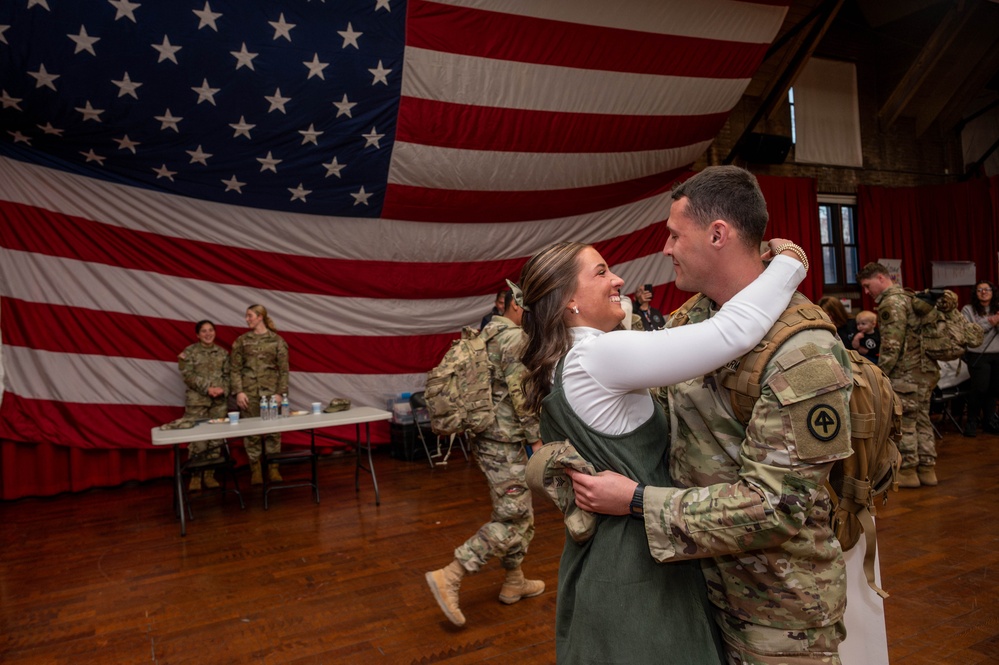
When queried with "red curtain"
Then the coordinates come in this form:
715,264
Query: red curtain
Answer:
919,225
794,214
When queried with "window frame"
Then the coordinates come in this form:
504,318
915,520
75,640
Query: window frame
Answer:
846,278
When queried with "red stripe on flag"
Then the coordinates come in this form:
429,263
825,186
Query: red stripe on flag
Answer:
115,425
31,229
499,36
443,124
446,205
62,329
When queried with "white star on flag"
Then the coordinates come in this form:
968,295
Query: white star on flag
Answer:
315,67
207,17
206,92
22,138
343,107
199,156
127,86
334,168
380,74
349,37
361,196
125,8
310,135
372,138
242,128
269,163
125,143
164,172
167,50
43,78
168,120
277,101
49,129
243,57
92,156
90,113
299,193
233,184
10,102
84,42
282,28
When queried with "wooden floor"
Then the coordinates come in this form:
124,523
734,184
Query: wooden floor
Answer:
104,576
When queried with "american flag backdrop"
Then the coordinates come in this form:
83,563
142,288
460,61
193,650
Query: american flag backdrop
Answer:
370,171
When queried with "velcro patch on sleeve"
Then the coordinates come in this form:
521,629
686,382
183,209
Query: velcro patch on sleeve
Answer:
821,428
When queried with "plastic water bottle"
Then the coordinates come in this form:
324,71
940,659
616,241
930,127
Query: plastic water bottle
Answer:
264,408
285,406
272,408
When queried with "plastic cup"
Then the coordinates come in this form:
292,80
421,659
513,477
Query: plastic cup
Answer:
233,417
317,408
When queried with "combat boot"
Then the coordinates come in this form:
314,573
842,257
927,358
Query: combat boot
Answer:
444,584
256,477
908,478
516,587
273,475
195,485
927,475
208,480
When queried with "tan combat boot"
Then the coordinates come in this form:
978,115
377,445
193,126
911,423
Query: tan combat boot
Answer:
516,587
195,485
927,475
256,477
908,478
273,475
444,585
208,480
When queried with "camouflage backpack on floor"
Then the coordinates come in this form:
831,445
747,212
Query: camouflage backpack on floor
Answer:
459,390
945,334
858,483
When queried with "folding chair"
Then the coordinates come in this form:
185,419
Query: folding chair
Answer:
224,464
421,417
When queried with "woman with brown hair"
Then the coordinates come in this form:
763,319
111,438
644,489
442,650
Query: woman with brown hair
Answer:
983,360
615,603
259,368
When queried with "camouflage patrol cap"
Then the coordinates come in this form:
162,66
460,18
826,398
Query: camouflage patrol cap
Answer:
186,422
546,475
337,404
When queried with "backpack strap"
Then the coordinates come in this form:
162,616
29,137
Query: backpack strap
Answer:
743,377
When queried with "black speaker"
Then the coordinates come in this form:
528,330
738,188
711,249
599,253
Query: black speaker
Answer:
760,148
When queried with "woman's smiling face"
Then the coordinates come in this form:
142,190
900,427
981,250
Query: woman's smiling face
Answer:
598,294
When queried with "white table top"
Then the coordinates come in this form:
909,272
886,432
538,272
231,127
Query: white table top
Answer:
256,426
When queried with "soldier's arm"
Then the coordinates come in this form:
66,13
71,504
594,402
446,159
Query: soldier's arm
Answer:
892,322
799,427
236,360
283,366
514,374
189,372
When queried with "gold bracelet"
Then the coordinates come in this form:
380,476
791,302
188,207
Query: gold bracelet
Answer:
791,247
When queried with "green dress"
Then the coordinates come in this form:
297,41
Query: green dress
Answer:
615,603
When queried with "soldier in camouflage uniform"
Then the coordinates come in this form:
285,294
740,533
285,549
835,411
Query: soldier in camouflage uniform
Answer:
913,375
750,501
259,367
500,452
204,367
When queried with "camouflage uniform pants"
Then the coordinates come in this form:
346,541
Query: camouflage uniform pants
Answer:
753,644
511,525
252,443
206,450
917,445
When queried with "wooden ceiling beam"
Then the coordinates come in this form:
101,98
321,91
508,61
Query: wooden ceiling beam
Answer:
925,61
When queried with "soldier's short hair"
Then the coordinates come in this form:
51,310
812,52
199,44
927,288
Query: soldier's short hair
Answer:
197,326
872,269
729,193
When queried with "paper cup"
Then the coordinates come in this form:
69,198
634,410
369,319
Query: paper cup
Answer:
233,417
317,408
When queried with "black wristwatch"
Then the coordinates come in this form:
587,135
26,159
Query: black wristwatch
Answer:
637,505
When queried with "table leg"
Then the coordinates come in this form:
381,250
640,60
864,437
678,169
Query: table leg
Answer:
179,490
371,464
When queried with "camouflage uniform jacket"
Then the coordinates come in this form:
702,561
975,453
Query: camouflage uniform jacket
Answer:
505,346
901,345
203,367
259,364
754,500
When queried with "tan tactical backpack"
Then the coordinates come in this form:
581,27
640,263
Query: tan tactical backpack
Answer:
459,390
944,333
860,482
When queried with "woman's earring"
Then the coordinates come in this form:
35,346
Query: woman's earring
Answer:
575,310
